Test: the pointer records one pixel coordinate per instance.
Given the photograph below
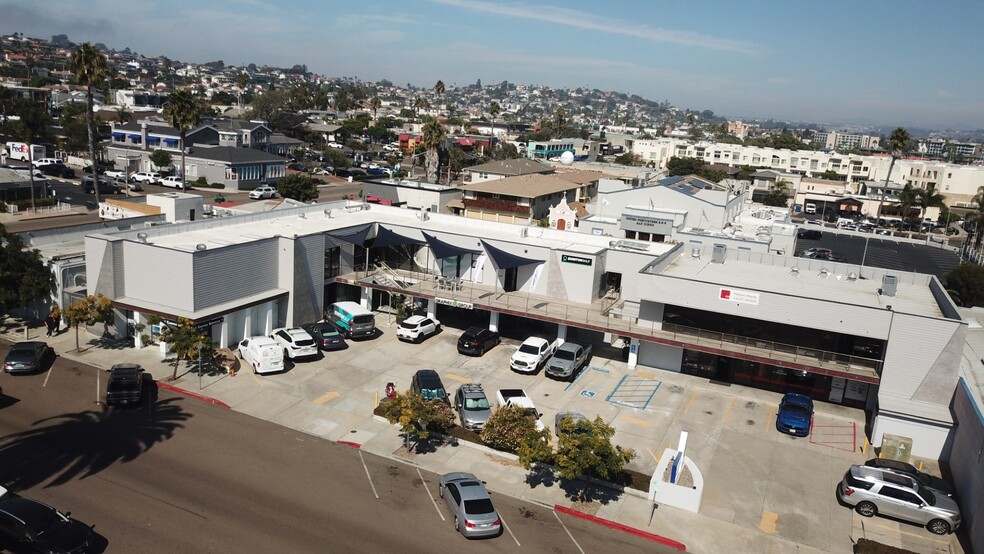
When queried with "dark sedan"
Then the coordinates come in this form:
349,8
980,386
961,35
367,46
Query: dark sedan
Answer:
58,170
325,335
29,525
27,357
475,341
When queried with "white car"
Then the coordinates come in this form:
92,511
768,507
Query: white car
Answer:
264,191
416,328
296,342
173,181
146,177
335,145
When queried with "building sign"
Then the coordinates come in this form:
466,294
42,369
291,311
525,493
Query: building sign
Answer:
739,296
455,303
200,326
644,224
579,260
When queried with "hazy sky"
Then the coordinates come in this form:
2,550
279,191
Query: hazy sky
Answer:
896,62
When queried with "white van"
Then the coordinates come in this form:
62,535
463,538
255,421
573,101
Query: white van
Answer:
25,152
263,354
810,208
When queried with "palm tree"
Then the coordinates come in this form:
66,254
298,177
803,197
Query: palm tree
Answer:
375,103
908,197
434,136
898,142
91,69
928,198
419,104
560,116
494,111
439,89
31,126
242,81
123,115
977,218
182,112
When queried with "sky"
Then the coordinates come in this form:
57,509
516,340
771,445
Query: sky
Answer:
873,62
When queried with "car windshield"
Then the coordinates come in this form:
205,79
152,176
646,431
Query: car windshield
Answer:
795,409
529,349
41,519
304,342
409,325
327,331
565,354
433,394
479,507
477,403
21,353
927,495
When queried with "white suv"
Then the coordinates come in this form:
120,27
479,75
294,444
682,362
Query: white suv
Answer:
417,328
296,342
173,181
146,177
263,191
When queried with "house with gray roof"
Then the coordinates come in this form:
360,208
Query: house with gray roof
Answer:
502,169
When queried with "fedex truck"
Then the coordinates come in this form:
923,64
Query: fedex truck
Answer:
19,151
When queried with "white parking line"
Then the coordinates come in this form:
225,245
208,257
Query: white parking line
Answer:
51,367
434,502
371,484
568,532
508,529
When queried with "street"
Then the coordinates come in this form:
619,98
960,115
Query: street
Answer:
176,474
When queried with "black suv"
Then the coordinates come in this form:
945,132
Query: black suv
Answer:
427,383
58,170
475,341
125,385
105,186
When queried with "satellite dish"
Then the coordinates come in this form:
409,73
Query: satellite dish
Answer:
567,158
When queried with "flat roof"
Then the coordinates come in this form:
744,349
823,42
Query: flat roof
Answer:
910,298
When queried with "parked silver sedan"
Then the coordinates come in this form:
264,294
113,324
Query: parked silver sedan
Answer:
471,505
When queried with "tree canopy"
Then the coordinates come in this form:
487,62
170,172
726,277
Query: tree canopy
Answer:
965,283
23,274
302,188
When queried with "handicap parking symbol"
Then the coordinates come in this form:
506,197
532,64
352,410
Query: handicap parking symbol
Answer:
588,393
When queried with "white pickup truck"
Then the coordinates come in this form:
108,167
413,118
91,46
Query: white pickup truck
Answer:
519,399
115,174
532,354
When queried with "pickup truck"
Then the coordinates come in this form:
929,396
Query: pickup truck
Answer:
519,399
532,354
125,385
568,360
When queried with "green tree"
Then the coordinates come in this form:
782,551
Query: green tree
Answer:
91,310
31,126
585,449
123,115
965,283
494,111
898,143
302,188
975,219
439,89
778,195
508,428
416,416
74,128
242,81
183,112
629,158
908,197
685,166
831,175
507,151
433,139
375,103
23,273
161,159
183,338
91,69
419,104
928,198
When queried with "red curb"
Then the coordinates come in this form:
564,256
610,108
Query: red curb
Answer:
623,528
202,397
351,444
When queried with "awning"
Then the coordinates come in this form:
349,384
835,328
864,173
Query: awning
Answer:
171,140
505,260
135,136
354,235
153,139
464,141
119,134
442,249
388,237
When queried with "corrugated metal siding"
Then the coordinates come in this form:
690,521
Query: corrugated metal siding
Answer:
158,275
803,312
119,275
966,463
309,278
914,346
231,272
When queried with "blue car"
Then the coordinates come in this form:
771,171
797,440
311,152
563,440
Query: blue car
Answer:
795,414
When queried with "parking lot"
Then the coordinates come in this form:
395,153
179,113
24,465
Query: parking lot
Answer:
877,251
755,477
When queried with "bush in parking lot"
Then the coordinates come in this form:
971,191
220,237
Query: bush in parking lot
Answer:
507,428
416,416
585,449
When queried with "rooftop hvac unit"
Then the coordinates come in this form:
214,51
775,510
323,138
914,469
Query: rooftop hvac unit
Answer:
695,252
890,284
719,253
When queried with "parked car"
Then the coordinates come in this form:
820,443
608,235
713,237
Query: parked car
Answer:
532,354
58,170
263,191
123,182
874,491
40,162
147,177
472,406
427,383
335,145
416,328
105,185
809,234
518,398
263,354
296,343
115,173
795,414
354,173
297,167
572,419
27,357
125,385
471,506
814,252
29,525
911,471
325,335
175,182
476,341
568,361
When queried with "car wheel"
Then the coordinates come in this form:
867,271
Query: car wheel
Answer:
867,509
440,491
938,527
456,526
481,352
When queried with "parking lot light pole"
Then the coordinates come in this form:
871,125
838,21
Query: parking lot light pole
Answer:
864,255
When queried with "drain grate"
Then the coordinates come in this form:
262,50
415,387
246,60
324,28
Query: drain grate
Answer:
634,392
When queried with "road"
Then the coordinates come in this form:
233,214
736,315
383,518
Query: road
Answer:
179,475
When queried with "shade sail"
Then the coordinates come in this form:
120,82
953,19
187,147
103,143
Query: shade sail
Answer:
442,249
388,237
355,235
505,260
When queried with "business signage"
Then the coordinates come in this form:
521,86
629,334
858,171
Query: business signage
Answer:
579,260
200,326
644,224
739,296
455,303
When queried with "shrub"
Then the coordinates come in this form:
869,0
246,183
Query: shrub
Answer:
507,428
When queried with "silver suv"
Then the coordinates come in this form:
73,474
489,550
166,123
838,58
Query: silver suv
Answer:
872,491
472,406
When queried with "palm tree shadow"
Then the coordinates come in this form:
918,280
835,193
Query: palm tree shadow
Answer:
69,446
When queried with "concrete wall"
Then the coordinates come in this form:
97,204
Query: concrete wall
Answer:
966,462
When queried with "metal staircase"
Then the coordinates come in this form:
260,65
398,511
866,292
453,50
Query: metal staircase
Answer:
386,276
